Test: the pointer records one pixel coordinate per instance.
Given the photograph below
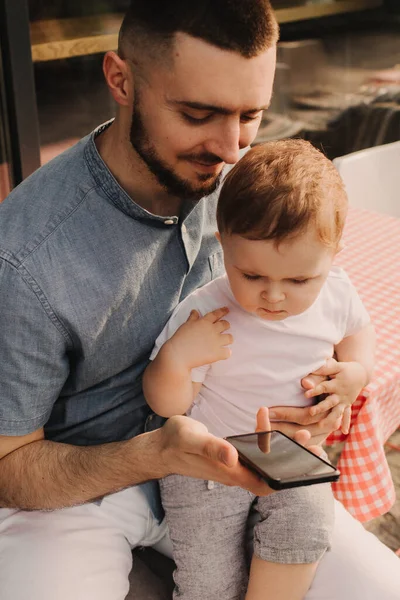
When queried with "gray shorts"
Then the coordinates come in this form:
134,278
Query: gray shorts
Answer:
207,524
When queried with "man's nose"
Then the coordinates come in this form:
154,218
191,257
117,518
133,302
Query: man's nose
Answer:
225,142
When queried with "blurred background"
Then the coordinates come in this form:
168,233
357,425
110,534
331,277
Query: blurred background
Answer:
337,83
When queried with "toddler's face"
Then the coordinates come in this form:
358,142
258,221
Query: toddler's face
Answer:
276,282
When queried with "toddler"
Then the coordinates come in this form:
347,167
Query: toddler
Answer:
280,219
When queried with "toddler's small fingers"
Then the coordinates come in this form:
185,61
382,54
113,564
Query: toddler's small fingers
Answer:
310,381
226,352
326,387
314,392
222,325
217,314
346,420
333,418
194,316
324,405
227,339
331,367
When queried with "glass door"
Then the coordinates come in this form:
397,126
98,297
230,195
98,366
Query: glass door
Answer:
6,181
338,75
19,137
68,42
298,10
330,56
5,159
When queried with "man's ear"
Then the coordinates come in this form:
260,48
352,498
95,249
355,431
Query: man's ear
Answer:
119,78
218,236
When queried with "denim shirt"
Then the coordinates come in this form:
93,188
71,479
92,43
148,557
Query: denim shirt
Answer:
88,280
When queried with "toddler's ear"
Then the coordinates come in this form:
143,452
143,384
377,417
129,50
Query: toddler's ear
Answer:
218,236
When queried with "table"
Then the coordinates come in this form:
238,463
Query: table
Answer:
371,258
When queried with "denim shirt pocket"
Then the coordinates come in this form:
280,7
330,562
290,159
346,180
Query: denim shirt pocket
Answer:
216,263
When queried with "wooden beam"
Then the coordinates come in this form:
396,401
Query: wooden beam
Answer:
63,38
314,11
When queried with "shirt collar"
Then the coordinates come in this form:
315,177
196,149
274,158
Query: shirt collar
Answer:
118,196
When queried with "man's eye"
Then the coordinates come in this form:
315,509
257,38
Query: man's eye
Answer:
246,119
249,118
195,120
251,277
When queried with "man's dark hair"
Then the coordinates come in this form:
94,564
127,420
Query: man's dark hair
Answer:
244,26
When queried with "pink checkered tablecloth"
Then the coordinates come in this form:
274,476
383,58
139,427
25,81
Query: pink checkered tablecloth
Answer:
371,257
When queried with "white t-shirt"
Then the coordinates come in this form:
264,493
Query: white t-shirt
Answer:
269,358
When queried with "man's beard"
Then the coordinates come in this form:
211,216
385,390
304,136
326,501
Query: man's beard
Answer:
166,176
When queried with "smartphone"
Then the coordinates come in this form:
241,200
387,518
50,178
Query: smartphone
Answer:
280,461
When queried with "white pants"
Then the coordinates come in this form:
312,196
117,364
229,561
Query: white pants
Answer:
84,553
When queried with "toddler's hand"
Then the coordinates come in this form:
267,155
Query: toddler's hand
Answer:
346,380
201,340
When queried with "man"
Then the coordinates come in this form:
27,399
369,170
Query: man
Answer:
97,248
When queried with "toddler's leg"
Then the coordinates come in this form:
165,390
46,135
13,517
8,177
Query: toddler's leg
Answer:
277,581
293,534
207,525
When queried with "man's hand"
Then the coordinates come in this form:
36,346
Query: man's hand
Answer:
346,380
301,436
294,421
201,340
291,420
187,448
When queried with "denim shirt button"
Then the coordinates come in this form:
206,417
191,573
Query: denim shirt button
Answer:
169,222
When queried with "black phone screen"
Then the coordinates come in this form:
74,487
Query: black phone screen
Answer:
280,457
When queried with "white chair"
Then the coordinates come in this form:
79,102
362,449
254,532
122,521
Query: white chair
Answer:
372,178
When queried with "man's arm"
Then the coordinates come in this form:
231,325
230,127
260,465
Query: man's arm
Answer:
36,474
39,474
